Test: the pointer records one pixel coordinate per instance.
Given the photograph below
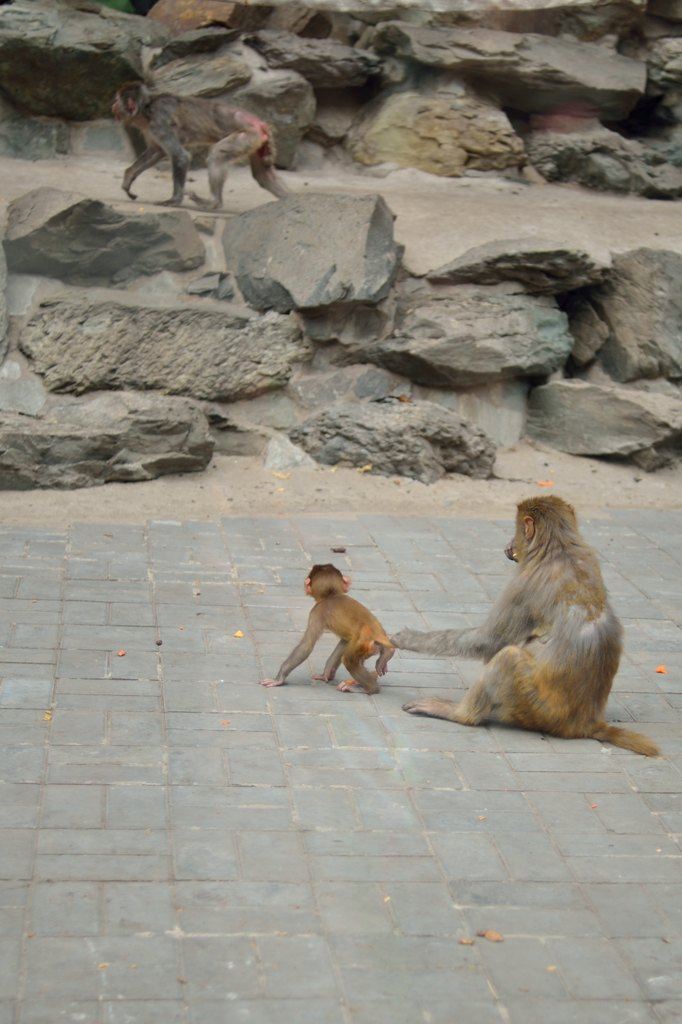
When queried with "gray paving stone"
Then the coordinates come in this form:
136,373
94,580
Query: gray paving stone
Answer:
133,728
13,899
134,907
629,911
19,806
204,854
272,857
263,808
145,1011
365,844
25,693
424,908
73,807
530,856
63,968
107,765
592,969
252,908
21,764
468,855
209,850
324,808
134,806
102,855
523,1010
253,766
65,908
477,812
523,965
558,895
354,908
220,968
71,725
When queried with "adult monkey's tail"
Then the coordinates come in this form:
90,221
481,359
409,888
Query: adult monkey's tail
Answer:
625,738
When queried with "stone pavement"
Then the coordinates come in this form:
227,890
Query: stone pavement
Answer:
178,844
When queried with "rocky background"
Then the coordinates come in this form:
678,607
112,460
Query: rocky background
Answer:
136,341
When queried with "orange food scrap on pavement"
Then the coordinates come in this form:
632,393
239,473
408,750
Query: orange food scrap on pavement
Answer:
662,670
122,653
239,634
466,942
545,483
490,935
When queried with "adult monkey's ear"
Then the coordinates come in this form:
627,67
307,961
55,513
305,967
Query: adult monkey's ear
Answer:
346,583
528,527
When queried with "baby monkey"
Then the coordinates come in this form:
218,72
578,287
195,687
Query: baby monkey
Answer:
360,634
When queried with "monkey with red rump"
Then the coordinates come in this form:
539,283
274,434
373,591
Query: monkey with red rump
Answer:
172,126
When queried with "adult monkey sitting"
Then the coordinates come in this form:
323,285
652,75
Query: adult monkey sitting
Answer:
551,644
172,126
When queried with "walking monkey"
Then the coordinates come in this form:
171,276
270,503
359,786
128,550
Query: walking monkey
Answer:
360,634
174,125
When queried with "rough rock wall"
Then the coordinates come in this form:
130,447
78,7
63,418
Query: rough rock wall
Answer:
310,326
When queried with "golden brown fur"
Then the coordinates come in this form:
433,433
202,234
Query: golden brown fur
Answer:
360,633
551,644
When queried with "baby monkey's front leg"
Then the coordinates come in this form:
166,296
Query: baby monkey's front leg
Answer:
301,651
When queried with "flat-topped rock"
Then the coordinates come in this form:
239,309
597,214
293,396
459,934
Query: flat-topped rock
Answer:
84,241
120,436
543,267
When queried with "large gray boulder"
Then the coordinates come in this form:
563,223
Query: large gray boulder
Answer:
64,235
446,132
285,100
325,63
107,437
419,440
601,159
578,19
527,72
591,419
543,267
202,74
309,251
190,44
67,60
473,336
636,316
20,390
85,344
664,63
30,138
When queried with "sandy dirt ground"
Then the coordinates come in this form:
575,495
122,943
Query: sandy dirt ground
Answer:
240,486
436,220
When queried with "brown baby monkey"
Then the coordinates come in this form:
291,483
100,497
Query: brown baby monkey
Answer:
360,634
